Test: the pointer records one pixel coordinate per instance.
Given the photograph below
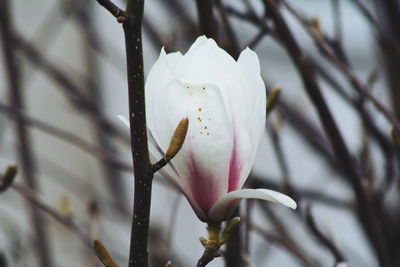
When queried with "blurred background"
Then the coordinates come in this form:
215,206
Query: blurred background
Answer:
58,108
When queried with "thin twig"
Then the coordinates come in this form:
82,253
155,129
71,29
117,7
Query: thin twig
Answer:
112,8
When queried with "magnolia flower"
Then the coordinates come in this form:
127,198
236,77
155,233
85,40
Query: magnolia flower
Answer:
225,103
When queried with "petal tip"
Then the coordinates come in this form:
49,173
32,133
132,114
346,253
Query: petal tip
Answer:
292,204
124,120
287,201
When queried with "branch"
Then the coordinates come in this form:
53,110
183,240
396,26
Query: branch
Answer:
205,259
207,22
132,25
112,8
138,255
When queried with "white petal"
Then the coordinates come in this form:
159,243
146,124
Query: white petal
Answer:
167,171
201,40
203,162
173,59
250,66
205,62
161,74
124,121
208,63
226,204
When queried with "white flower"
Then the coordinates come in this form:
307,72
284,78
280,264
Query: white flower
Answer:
225,102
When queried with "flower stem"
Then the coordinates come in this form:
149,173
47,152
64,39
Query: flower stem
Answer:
214,230
211,245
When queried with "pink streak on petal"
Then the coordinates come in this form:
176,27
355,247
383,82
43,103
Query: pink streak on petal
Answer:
234,167
202,185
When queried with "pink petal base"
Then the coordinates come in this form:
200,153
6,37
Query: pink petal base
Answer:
202,185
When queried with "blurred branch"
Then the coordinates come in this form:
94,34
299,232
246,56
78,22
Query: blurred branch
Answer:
273,238
283,231
319,39
257,39
282,162
70,138
23,147
367,118
65,220
300,124
388,16
68,86
207,22
93,84
230,41
365,208
246,16
395,47
328,244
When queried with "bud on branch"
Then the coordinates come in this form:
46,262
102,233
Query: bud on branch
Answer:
8,177
103,254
